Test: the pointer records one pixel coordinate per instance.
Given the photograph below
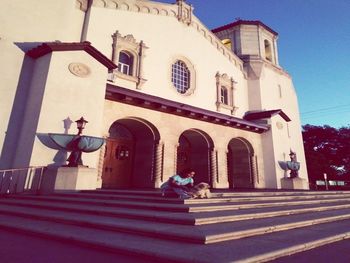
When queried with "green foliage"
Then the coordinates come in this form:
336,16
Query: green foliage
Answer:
327,150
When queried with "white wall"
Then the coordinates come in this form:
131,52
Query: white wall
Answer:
24,25
40,20
64,95
168,39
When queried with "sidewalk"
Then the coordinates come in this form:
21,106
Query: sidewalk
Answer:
22,248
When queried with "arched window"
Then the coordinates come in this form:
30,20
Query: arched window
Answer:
268,51
125,63
225,100
224,95
180,76
129,54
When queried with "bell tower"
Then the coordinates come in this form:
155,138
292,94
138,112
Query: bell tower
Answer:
250,40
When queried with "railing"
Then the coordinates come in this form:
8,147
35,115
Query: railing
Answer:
330,185
21,180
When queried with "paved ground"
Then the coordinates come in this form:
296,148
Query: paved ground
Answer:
338,252
21,248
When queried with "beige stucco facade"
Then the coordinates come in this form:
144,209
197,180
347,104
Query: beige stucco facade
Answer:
151,127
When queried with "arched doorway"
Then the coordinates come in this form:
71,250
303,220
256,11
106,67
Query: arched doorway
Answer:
239,160
194,151
129,156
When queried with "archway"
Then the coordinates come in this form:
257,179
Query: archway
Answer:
129,155
194,151
239,160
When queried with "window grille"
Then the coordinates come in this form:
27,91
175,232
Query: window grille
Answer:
180,76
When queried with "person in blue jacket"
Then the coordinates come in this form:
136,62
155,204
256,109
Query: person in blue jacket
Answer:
180,184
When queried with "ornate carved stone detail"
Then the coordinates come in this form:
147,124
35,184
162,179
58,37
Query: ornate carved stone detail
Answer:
224,168
279,125
79,69
254,168
136,49
184,13
82,5
213,166
158,164
223,80
101,163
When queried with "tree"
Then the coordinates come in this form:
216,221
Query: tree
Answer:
327,150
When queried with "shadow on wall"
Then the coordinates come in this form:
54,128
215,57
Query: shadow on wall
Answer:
23,121
61,156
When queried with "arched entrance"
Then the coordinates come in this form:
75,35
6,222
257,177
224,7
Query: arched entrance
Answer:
130,154
239,160
194,151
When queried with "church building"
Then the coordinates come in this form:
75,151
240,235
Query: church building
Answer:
164,92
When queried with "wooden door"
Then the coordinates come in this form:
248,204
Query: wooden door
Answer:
239,171
117,168
183,158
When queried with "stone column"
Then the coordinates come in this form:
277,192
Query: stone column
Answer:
213,167
101,163
158,164
224,168
254,169
169,159
175,158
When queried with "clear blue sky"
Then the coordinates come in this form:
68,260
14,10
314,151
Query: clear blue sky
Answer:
313,45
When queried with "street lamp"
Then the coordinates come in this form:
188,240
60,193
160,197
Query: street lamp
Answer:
76,144
325,180
81,125
292,156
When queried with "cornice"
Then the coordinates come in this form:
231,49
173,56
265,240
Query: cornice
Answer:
277,69
172,10
126,96
250,60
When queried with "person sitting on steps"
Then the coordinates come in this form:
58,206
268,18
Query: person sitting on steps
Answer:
180,184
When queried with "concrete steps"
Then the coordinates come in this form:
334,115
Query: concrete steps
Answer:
138,220
176,217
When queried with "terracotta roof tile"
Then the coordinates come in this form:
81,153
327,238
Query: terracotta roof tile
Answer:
244,22
49,47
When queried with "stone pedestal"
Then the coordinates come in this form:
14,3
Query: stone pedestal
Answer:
294,183
69,178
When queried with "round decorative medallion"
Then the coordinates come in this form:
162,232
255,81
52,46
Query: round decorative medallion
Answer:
279,125
79,69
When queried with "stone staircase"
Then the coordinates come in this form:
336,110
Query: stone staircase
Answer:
254,226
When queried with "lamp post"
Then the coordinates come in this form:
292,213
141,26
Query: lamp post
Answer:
325,180
293,165
81,125
76,144
292,156
74,159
